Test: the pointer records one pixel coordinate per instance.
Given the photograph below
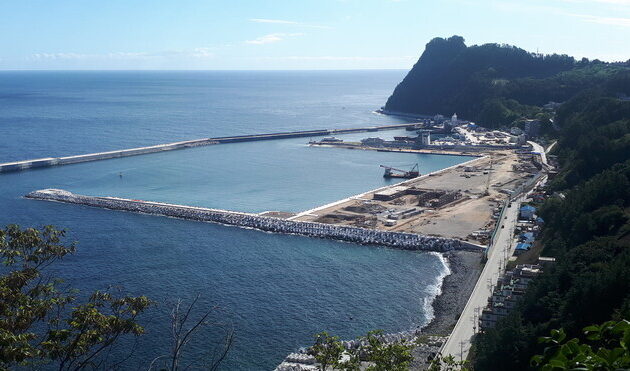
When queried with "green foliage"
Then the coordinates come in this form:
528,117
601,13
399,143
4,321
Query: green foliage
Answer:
497,84
447,363
327,350
39,322
381,355
395,356
500,111
607,347
587,230
595,134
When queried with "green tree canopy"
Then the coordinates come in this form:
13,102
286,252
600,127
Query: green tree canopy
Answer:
41,323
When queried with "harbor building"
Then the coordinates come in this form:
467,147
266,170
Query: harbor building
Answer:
532,128
424,138
509,289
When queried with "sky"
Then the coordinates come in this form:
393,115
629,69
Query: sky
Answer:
294,34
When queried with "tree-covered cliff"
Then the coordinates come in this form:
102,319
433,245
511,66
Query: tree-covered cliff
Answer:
494,84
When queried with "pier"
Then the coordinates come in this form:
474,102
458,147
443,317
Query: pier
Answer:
67,160
400,240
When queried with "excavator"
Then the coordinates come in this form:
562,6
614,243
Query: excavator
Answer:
392,172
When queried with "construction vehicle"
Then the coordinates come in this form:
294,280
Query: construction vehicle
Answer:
392,172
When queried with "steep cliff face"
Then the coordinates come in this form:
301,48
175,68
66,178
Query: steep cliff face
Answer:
423,87
491,81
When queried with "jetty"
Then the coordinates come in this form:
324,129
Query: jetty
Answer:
400,240
67,160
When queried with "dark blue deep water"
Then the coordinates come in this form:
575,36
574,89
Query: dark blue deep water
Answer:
276,290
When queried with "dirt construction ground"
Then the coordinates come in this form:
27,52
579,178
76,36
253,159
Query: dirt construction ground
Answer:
481,186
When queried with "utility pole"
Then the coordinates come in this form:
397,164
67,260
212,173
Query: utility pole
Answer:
478,313
487,193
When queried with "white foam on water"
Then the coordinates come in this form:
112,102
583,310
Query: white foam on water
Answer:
436,290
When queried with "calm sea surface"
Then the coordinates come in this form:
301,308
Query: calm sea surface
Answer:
276,290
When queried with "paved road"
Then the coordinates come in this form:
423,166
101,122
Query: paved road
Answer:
539,149
458,343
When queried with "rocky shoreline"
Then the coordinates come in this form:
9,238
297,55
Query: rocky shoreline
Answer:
465,268
456,288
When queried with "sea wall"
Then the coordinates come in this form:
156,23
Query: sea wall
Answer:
56,161
406,241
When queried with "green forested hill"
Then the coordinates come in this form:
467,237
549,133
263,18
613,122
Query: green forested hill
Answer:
587,221
494,84
587,230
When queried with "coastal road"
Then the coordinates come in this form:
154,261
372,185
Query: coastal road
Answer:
458,343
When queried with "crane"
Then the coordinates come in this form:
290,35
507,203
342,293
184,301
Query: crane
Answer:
389,172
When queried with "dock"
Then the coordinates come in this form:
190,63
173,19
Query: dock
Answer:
67,160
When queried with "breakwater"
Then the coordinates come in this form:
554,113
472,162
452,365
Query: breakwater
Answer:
57,161
406,241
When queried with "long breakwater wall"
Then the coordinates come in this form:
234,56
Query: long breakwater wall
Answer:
57,161
406,241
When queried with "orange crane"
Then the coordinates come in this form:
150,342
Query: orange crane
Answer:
392,172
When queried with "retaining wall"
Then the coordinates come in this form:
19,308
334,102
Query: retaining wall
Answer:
406,241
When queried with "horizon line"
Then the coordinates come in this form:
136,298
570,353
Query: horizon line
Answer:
196,70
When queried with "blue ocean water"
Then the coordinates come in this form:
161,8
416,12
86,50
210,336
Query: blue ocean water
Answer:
276,290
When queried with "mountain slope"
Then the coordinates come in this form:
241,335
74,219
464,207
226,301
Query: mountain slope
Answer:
493,84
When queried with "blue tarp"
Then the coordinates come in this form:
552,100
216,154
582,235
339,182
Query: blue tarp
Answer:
528,208
523,246
527,237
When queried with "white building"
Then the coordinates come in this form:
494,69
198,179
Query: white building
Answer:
425,138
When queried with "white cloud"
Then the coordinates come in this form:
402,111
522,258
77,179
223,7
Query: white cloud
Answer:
603,20
286,22
277,21
611,21
41,56
614,2
201,52
271,38
619,2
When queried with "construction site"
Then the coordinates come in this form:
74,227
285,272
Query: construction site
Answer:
461,202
